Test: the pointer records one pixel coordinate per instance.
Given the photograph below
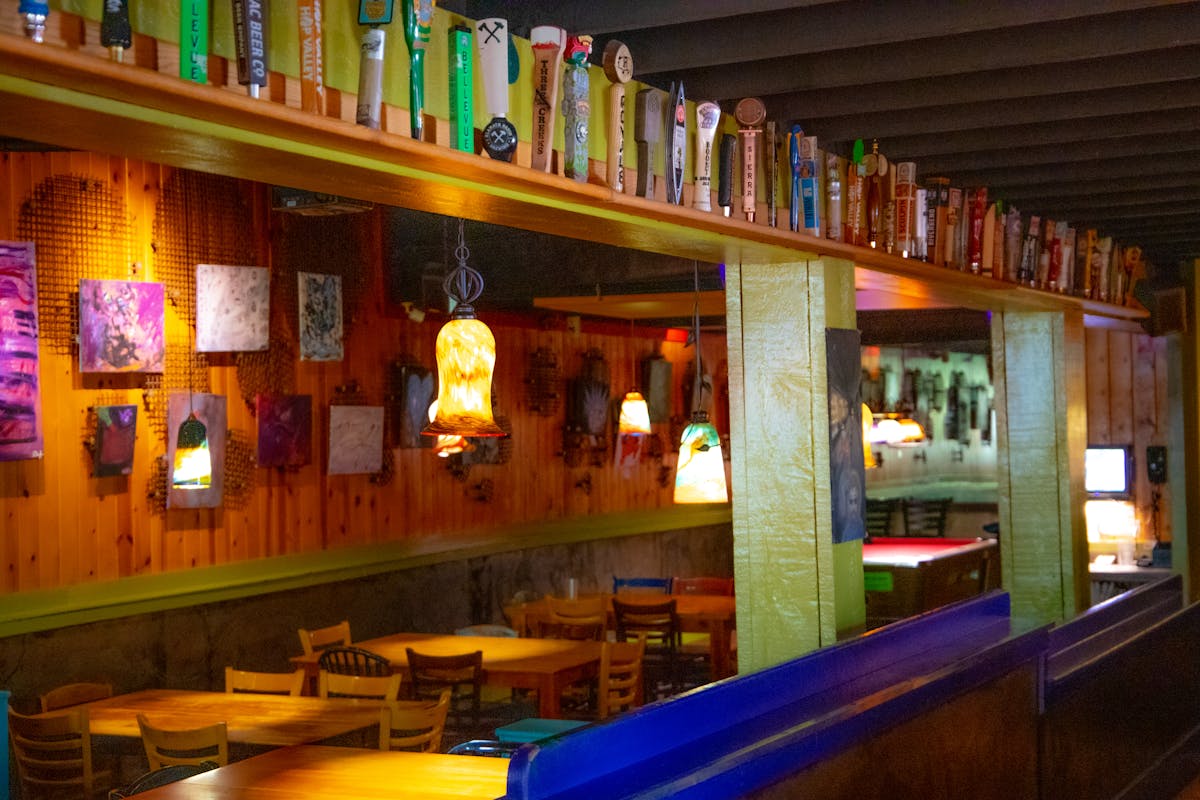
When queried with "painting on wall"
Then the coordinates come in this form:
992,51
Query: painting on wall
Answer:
355,439
211,412
116,435
320,317
121,326
20,395
284,430
232,308
411,407
847,472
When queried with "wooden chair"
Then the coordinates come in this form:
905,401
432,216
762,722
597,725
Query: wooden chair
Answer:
641,585
245,681
414,724
620,682
332,684
462,674
72,694
926,517
54,756
703,585
879,517
659,623
320,638
581,618
354,661
487,629
165,747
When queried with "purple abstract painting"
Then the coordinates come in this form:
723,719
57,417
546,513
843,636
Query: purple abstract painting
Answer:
284,430
20,397
120,326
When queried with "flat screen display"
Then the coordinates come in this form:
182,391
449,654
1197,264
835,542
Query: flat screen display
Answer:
1107,471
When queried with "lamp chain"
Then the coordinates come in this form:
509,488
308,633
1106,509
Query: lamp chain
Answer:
696,400
463,284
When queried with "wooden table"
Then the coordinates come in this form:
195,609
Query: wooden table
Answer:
545,665
345,773
698,613
251,719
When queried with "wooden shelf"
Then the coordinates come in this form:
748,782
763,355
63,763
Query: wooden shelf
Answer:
61,97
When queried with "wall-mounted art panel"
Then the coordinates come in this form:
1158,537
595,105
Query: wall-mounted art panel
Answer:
20,395
232,308
284,430
320,317
116,435
355,439
209,410
847,471
121,326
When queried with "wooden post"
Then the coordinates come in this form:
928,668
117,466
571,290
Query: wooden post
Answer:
796,590
1041,415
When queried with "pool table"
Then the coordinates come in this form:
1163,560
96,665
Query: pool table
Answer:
905,576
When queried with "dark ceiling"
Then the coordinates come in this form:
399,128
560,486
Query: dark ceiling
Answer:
1085,110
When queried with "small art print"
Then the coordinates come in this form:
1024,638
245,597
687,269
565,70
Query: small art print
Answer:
20,396
116,434
320,317
355,439
284,430
232,308
120,326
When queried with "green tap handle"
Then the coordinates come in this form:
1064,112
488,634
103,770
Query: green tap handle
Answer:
418,22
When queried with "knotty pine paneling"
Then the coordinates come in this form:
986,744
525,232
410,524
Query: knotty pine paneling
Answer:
1127,405
63,527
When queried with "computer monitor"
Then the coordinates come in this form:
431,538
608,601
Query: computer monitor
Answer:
1108,471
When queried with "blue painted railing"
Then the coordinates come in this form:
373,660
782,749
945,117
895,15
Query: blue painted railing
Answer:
745,733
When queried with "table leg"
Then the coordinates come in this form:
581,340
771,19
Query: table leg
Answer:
719,650
549,693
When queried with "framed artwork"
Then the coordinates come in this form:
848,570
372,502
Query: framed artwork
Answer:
320,317
410,411
232,308
20,393
847,472
116,435
355,439
284,430
210,411
121,326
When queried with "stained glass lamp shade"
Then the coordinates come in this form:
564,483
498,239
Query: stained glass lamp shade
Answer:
700,476
193,463
635,415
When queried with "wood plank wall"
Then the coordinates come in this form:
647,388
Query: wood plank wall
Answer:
1127,405
63,527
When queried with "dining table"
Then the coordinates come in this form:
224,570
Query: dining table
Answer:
259,720
345,773
698,613
547,666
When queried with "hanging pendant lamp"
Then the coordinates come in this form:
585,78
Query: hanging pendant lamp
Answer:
869,461
700,473
635,415
466,356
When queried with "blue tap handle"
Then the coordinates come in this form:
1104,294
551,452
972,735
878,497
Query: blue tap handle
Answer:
794,159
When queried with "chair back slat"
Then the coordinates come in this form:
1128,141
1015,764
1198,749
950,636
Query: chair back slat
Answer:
73,694
250,682
331,684
354,661
414,724
320,638
167,746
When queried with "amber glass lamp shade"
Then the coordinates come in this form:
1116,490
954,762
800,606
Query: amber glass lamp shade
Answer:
635,415
466,356
700,475
446,446
193,464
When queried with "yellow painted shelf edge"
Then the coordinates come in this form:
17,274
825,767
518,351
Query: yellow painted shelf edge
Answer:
28,612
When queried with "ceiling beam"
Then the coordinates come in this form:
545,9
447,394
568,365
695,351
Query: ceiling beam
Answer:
1078,188
1110,72
1148,99
1182,195
1008,48
1098,169
863,24
1062,153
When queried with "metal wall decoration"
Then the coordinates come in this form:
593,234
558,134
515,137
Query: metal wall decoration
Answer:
239,473
80,229
585,434
271,371
20,390
656,387
410,394
543,383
